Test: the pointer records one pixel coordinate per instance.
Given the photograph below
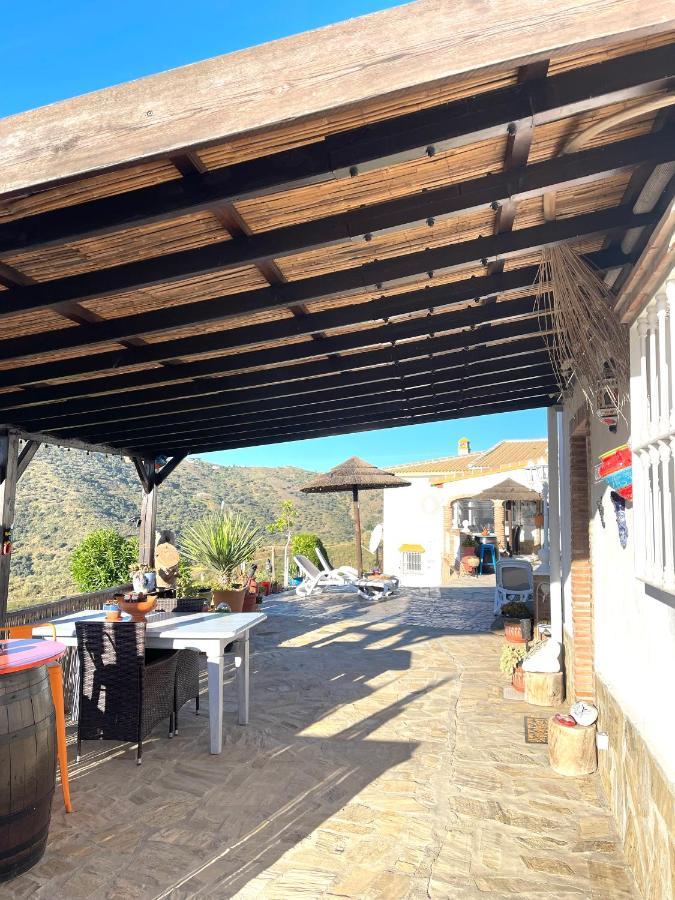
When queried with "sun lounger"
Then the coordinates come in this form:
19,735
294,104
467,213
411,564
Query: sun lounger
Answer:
391,581
315,580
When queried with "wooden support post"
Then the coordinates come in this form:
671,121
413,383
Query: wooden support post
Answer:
357,531
9,457
28,451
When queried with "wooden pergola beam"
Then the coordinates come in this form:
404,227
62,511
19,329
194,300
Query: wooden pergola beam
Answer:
525,401
345,405
290,370
483,320
212,189
395,376
288,401
510,342
431,206
310,323
321,287
420,45
425,404
208,259
28,451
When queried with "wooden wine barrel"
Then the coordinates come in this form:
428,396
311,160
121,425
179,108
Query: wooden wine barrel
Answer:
27,768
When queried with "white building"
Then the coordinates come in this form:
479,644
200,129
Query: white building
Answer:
423,533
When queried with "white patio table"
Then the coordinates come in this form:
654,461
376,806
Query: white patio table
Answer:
207,632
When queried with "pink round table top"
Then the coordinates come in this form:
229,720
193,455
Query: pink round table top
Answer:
17,654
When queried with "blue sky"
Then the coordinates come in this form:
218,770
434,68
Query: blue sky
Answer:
51,51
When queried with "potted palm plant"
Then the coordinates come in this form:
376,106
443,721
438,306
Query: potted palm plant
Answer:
219,544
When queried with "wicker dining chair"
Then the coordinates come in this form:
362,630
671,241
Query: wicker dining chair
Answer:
187,683
187,667
123,696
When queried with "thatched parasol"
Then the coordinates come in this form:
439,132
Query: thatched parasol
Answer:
509,489
354,475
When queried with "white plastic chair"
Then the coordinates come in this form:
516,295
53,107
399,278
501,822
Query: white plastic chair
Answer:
515,581
387,584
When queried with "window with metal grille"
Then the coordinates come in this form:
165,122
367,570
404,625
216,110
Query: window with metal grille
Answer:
652,395
412,562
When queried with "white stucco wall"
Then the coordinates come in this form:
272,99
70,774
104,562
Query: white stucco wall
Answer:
414,515
634,628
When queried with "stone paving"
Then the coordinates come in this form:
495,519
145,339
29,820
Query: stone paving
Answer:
381,762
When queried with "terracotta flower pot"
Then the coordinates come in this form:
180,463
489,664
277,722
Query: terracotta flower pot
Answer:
234,599
518,679
513,632
140,608
250,604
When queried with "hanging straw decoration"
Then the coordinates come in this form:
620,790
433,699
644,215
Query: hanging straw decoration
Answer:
587,343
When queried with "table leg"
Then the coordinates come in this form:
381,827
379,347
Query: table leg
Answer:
56,684
241,662
215,667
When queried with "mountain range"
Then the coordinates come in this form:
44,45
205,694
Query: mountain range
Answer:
66,494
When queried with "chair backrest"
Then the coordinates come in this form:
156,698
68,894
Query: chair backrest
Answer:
322,559
514,575
306,566
189,605
112,668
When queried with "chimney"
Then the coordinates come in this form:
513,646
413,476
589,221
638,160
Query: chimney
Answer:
463,447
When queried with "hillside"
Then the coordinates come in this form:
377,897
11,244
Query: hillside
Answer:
66,494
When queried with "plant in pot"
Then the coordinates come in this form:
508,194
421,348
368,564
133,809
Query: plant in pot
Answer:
219,544
510,663
517,622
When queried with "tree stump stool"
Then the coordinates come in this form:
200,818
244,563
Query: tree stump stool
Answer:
544,688
572,751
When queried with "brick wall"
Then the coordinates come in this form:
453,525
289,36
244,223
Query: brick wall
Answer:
581,575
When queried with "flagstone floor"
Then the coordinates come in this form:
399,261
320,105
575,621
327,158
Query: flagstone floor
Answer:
381,761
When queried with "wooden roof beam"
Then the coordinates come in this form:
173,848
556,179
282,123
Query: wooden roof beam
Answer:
307,408
429,206
481,319
360,149
370,423
392,271
485,359
396,377
419,402
249,335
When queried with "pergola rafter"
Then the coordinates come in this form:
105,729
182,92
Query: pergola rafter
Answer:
361,149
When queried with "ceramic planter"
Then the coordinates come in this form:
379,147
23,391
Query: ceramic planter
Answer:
234,599
250,600
140,608
513,631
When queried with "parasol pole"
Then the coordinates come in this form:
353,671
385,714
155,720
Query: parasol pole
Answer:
357,531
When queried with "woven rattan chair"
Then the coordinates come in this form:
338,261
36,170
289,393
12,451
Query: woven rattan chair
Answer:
122,696
187,667
187,683
189,605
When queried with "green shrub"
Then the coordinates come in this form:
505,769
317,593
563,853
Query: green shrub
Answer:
305,544
516,609
511,657
102,560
